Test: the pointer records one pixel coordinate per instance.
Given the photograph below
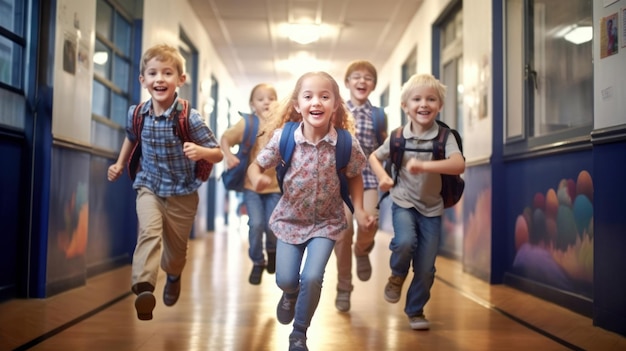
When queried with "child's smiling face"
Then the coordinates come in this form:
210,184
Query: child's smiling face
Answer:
316,101
423,105
161,78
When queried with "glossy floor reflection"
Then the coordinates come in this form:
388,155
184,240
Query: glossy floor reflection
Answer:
219,310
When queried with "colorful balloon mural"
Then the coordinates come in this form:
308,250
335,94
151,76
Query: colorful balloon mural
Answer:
554,236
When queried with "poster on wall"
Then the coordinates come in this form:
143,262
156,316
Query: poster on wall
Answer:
69,220
69,53
73,71
608,35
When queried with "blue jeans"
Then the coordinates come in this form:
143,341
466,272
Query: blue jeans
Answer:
415,240
260,207
307,286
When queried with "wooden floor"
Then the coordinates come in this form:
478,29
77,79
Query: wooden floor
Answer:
219,310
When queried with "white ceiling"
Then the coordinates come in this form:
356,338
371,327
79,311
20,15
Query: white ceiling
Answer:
247,36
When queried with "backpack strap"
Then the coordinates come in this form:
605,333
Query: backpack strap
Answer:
380,124
182,113
135,154
249,133
343,151
286,146
439,143
182,110
396,153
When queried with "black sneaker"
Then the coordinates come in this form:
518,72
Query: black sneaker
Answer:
286,309
297,342
256,274
271,262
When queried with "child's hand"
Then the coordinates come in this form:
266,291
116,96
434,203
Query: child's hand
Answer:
415,166
385,184
192,151
365,220
260,182
114,172
231,161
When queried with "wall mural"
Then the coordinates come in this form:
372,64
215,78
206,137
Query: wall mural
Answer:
554,236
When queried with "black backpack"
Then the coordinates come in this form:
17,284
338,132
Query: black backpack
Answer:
452,186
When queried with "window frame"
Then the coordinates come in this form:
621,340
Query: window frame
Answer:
519,54
118,12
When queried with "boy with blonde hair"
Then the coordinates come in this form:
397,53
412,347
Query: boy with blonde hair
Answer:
417,202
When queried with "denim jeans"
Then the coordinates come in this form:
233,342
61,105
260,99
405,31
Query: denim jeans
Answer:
306,285
415,240
260,207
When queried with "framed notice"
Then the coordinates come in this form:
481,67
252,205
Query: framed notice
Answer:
608,35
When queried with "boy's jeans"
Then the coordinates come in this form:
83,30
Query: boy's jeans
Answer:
260,208
309,282
415,240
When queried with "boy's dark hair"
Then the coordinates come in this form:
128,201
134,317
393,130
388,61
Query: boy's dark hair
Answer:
361,65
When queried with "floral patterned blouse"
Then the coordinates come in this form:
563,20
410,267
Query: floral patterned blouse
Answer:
311,205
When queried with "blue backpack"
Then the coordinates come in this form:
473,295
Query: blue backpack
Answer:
233,178
380,125
343,151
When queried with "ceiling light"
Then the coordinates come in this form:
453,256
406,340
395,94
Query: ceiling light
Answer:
579,35
100,57
304,33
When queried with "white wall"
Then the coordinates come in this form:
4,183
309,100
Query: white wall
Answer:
609,72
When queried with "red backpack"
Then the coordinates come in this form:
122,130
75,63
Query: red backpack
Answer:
181,112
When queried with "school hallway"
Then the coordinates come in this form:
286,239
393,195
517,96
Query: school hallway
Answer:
219,310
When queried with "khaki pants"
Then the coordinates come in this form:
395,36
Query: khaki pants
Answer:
166,220
363,245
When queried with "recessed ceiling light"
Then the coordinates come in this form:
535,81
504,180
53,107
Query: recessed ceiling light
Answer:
304,33
579,35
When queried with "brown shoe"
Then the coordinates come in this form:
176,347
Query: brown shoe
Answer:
144,304
363,268
393,289
171,290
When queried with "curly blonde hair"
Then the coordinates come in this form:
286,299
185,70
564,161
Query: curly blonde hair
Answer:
285,111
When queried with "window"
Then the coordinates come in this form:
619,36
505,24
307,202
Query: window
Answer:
409,68
12,51
452,67
549,76
190,54
112,63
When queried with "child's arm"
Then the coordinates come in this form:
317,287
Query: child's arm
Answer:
454,165
196,152
355,186
232,136
384,180
257,178
115,170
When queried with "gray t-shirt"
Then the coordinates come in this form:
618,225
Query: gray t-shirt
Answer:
422,191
